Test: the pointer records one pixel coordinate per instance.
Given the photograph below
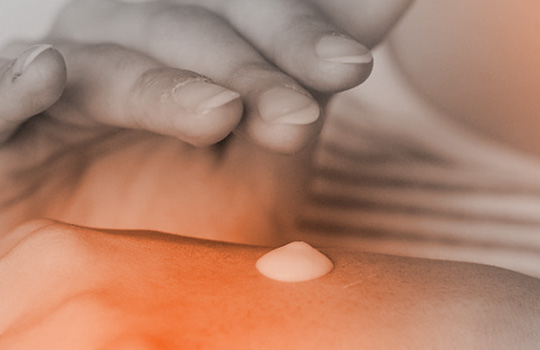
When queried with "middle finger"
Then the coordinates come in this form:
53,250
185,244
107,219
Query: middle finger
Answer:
280,114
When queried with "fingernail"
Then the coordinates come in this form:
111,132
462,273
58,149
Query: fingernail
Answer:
287,106
202,97
339,49
27,57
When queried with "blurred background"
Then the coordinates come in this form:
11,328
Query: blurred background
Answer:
26,19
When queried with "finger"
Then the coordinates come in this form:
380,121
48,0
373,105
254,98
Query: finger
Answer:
29,84
115,86
194,39
368,20
297,38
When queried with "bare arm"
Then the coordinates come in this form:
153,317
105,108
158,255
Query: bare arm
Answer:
163,291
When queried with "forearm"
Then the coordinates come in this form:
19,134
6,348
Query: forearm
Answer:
193,293
368,301
381,302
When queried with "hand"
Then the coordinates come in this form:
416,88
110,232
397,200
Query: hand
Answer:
67,287
90,158
77,161
301,51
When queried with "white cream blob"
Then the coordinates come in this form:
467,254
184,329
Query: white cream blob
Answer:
294,262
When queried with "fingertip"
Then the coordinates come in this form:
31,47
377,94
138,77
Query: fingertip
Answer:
284,139
43,69
207,113
341,63
344,62
287,105
340,76
184,105
213,125
33,82
281,116
326,61
340,49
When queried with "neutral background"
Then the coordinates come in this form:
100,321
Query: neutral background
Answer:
26,19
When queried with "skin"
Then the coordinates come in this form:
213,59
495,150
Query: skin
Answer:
269,54
80,155
131,287
112,118
202,294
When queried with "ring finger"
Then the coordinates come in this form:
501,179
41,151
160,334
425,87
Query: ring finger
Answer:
280,114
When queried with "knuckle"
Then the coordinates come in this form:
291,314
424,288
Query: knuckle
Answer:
165,79
157,85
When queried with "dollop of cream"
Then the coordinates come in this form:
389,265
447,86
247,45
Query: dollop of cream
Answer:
294,262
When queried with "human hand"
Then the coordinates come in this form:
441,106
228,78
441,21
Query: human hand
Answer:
67,287
106,91
90,158
323,44
208,37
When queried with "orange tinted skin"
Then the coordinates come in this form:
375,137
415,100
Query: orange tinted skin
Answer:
135,180
159,291
66,287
